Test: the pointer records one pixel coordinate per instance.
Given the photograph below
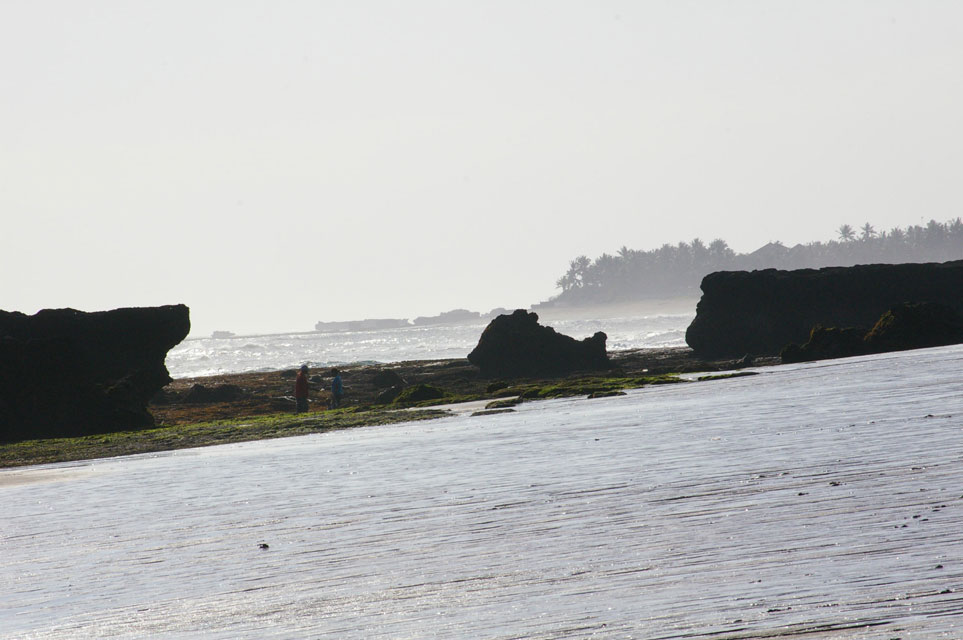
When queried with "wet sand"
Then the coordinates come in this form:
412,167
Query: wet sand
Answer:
808,501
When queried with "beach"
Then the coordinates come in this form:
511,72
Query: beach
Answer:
260,405
818,500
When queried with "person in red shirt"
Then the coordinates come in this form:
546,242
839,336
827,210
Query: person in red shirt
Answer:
301,390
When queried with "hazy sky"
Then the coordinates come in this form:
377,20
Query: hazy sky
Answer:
271,164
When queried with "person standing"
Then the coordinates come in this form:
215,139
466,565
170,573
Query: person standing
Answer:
337,390
301,390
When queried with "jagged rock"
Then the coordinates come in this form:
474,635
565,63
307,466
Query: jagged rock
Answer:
515,345
916,326
760,312
905,326
68,373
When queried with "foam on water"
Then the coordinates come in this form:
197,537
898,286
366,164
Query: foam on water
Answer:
816,500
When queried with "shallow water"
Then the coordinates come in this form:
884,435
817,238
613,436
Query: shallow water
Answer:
210,356
812,501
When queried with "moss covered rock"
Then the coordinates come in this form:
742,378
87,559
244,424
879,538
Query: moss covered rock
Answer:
420,393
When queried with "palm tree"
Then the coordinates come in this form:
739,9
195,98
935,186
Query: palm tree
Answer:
574,278
846,233
867,232
721,254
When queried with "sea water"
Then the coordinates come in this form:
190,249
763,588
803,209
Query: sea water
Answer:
210,356
819,500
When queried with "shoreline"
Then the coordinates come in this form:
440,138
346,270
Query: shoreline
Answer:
243,407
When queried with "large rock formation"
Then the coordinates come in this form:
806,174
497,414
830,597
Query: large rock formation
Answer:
905,326
68,373
515,345
760,312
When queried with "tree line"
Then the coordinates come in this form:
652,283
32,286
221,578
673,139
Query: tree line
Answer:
676,270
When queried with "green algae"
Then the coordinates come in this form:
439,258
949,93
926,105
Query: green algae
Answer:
583,386
725,376
201,434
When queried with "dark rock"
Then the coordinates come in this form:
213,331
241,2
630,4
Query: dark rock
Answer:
827,343
606,394
387,378
504,403
420,393
905,326
760,312
490,412
68,373
388,395
498,385
515,345
199,394
163,397
289,374
916,326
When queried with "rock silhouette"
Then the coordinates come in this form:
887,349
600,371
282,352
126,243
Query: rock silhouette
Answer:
905,326
515,345
760,312
68,373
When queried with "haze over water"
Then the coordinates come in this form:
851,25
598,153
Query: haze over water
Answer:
209,356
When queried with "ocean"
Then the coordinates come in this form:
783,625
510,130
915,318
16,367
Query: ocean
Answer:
817,500
210,356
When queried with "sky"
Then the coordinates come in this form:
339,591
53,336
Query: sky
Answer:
271,164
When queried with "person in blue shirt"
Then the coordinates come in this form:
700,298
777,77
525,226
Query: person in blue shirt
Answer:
337,390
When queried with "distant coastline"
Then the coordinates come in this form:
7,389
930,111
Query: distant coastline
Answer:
548,310
455,316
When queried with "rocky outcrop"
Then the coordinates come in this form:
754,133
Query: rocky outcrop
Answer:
515,345
68,373
760,312
905,326
915,326
825,343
